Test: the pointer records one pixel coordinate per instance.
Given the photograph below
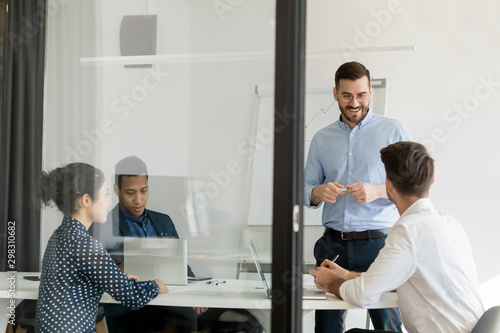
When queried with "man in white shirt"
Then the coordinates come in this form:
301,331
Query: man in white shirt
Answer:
426,258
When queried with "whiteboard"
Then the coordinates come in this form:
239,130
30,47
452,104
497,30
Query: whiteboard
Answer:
320,111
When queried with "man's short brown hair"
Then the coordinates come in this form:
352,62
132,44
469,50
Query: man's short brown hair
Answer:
351,71
409,167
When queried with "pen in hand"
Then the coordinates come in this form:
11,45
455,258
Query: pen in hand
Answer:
333,260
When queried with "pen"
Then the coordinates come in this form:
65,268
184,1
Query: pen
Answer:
333,260
216,282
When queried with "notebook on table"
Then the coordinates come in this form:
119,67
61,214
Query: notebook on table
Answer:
306,292
157,258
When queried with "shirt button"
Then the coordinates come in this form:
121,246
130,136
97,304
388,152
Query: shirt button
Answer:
347,212
350,173
345,227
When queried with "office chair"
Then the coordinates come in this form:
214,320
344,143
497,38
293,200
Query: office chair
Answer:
489,321
25,318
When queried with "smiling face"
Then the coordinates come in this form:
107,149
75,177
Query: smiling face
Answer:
133,194
354,99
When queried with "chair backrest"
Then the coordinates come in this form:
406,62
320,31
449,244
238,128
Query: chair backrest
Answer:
489,321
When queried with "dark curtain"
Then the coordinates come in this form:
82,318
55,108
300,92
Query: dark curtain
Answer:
21,133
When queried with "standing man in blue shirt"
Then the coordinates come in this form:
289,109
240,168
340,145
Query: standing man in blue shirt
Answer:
344,171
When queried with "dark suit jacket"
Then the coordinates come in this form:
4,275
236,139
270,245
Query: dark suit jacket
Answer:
162,222
111,233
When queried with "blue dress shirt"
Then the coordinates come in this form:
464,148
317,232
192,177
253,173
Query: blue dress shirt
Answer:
140,227
122,224
339,154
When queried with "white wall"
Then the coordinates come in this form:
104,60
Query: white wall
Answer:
454,56
192,124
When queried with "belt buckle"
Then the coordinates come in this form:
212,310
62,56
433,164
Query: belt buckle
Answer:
342,236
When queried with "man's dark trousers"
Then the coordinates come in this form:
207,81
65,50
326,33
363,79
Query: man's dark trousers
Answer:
354,255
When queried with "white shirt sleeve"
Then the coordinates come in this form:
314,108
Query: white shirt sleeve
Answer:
394,265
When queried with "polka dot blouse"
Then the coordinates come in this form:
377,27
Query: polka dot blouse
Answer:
76,271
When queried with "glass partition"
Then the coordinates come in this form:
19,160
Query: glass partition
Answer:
179,85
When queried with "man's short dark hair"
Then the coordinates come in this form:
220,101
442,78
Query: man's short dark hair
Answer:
409,167
130,166
351,71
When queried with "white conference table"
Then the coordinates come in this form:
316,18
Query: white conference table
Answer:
238,294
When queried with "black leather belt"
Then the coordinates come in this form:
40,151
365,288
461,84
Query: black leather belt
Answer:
368,234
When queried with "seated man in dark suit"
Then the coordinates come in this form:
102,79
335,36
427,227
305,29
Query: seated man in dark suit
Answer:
130,218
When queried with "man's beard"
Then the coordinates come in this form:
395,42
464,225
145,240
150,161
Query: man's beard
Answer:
357,120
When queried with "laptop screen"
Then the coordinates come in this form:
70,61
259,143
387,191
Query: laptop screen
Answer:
157,258
259,269
307,293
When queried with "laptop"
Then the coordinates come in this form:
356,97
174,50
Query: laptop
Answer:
307,293
157,258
